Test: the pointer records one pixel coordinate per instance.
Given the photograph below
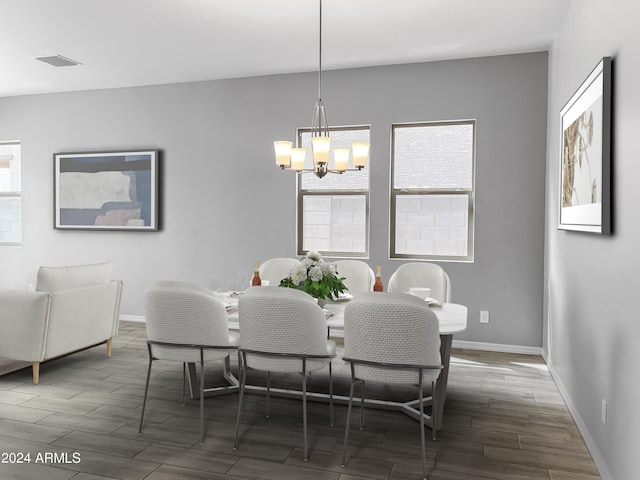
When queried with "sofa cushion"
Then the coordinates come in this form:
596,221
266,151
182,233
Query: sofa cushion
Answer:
52,279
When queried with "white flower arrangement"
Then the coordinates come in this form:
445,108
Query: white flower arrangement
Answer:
316,277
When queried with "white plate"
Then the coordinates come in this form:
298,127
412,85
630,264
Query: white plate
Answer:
343,297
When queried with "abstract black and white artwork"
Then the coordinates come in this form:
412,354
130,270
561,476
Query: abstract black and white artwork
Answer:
106,190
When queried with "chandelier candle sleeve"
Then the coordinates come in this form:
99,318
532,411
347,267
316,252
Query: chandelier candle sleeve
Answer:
297,158
360,154
378,287
283,153
341,159
320,148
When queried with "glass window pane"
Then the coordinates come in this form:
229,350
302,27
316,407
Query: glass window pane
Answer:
432,225
334,223
433,156
10,199
10,219
346,181
10,167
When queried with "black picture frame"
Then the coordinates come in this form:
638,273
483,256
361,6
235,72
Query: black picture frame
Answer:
584,202
115,190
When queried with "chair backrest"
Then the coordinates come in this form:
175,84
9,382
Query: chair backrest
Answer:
392,328
275,269
420,274
358,275
188,314
281,320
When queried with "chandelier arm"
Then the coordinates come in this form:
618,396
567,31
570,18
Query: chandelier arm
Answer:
325,171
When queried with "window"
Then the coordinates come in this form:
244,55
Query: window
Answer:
10,196
333,211
432,194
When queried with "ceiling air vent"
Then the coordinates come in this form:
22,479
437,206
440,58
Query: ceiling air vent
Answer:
59,61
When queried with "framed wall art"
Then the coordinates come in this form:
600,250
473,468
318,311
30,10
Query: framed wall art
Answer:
106,190
585,155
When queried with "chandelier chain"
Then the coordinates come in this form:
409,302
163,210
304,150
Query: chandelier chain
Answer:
320,56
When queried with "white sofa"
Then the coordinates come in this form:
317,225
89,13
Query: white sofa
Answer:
72,308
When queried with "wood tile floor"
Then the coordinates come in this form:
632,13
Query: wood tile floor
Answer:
504,419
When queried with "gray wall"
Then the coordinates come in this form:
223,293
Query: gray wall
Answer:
225,204
592,335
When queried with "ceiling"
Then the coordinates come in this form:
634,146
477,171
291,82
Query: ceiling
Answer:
143,42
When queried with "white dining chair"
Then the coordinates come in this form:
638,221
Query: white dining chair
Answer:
185,323
283,330
275,269
358,275
421,274
391,338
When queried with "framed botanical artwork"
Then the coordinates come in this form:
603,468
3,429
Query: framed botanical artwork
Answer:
106,190
585,155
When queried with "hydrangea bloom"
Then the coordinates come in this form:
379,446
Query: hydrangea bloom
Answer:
316,273
298,274
328,268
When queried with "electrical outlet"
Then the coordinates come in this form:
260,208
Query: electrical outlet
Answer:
604,412
484,316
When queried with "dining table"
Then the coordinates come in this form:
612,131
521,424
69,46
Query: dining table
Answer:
452,319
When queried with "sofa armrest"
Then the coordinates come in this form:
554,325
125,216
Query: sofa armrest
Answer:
24,318
81,317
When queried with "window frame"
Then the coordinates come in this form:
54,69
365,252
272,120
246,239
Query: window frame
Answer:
302,193
398,192
12,194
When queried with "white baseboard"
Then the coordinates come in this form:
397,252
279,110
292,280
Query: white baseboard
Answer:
598,459
132,318
497,347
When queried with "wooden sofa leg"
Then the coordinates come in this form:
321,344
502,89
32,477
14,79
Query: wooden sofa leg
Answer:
36,372
109,344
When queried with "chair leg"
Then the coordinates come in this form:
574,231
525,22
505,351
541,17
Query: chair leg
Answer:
109,346
35,366
346,429
240,374
362,407
268,399
242,369
201,396
434,411
422,441
146,388
331,415
184,380
304,408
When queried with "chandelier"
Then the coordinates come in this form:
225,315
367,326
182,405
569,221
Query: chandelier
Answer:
290,158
